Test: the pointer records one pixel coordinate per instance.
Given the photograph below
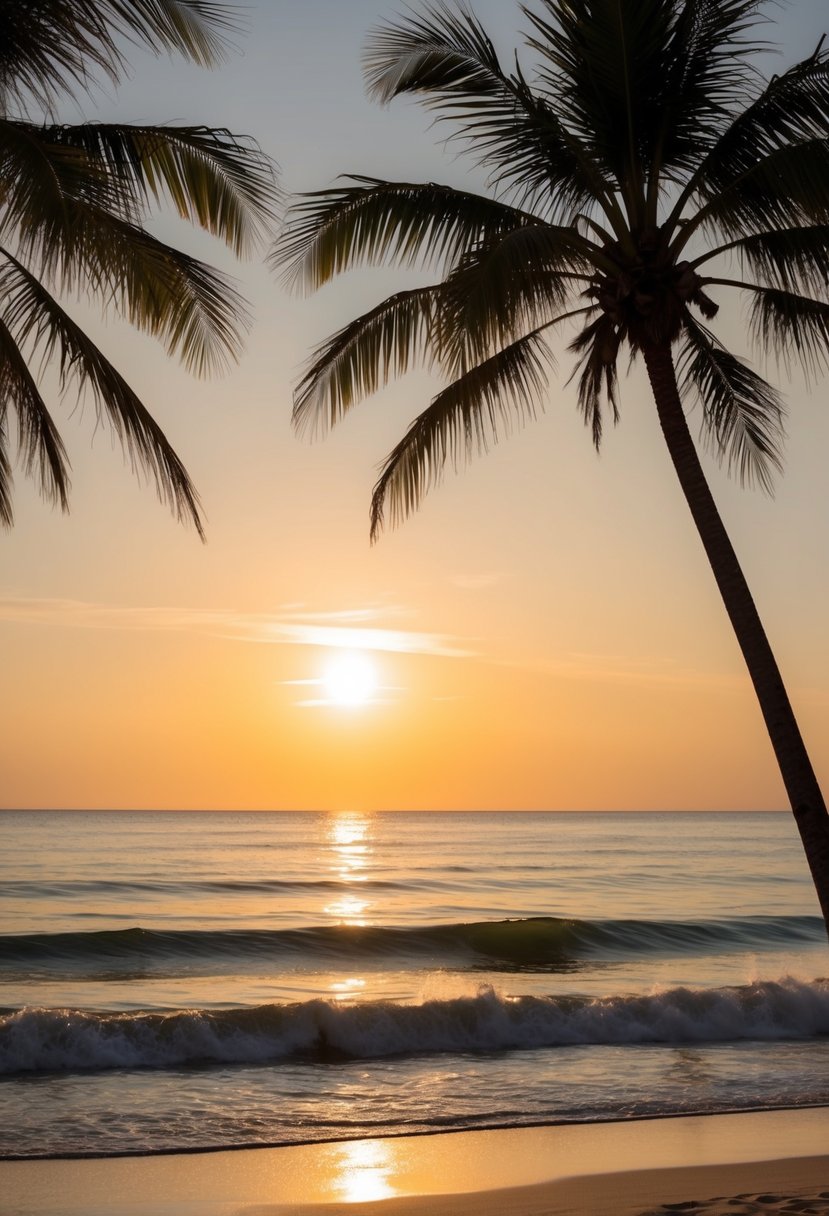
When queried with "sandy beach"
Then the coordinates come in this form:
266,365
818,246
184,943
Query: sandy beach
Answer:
760,1162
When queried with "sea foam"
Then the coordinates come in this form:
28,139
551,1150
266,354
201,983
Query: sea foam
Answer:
66,1040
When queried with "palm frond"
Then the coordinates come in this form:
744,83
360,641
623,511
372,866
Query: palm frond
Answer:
445,58
441,51
786,188
49,47
362,356
795,327
774,146
73,205
597,347
69,220
194,310
506,286
41,447
221,182
792,259
329,231
793,108
467,416
710,73
34,318
606,64
742,414
197,29
40,178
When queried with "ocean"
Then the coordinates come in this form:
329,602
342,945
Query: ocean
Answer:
179,981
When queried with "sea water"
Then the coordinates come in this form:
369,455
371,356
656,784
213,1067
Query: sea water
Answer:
174,981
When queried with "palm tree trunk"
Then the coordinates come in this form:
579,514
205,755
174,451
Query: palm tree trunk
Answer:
795,767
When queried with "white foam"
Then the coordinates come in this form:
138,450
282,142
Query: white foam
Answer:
50,1040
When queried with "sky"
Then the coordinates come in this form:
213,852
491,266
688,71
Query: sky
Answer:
544,634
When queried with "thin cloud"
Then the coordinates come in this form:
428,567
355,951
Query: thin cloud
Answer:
345,629
357,628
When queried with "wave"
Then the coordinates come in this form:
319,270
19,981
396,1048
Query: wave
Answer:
182,888
60,1040
536,943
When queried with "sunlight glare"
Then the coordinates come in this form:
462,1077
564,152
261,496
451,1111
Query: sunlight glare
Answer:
364,1171
348,910
347,990
350,680
349,845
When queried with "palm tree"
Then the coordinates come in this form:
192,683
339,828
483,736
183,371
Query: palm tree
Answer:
647,153
73,204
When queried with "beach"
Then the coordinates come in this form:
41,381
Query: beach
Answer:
762,1161
229,1015
182,982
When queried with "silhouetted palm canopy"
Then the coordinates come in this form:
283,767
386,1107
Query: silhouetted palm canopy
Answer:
647,171
72,212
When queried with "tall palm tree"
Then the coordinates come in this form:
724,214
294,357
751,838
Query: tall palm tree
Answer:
73,206
646,154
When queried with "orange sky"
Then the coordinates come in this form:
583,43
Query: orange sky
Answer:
545,633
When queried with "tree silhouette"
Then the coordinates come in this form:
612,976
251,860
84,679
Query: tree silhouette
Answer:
647,152
72,213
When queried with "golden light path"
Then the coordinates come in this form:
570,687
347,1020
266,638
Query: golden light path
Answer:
349,842
364,1169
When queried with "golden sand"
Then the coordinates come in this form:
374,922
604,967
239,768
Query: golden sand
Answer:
765,1162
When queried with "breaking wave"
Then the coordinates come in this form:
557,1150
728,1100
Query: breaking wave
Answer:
61,1040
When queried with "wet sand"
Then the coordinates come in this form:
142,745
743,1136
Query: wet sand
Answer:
770,1162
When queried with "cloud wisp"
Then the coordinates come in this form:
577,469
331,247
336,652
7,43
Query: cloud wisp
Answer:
291,625
364,628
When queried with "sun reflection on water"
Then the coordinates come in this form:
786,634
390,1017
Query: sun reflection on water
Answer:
348,909
346,990
349,842
348,838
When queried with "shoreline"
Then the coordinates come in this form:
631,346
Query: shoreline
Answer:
267,1146
620,1168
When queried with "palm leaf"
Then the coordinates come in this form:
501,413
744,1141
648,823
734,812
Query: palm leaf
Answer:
442,52
770,164
195,310
444,57
197,29
70,208
792,259
506,286
795,327
606,68
786,188
467,416
329,231
34,318
597,347
742,413
359,358
708,71
49,47
39,179
41,447
214,179
793,108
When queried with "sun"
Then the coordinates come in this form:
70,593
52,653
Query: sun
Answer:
350,679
